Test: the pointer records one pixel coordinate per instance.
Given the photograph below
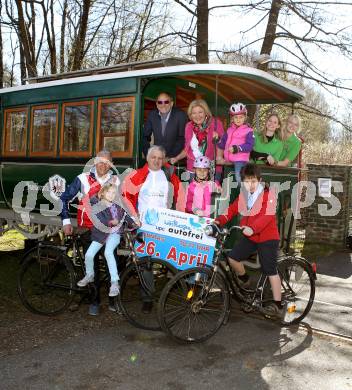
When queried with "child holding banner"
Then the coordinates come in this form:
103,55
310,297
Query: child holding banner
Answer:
199,193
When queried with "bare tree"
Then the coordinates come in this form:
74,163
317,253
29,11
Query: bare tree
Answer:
202,55
79,42
22,18
137,30
1,54
270,32
197,33
322,30
318,33
91,33
62,36
50,33
27,41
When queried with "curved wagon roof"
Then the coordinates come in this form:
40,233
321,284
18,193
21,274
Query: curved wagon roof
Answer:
246,84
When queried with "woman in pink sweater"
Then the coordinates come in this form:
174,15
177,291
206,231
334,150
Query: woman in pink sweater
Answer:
238,141
199,192
201,133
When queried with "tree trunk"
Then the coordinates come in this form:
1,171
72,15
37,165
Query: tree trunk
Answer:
268,42
23,66
202,54
270,33
78,45
1,57
62,38
52,47
25,43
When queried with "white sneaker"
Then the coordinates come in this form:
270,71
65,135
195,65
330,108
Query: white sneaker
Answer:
114,289
86,280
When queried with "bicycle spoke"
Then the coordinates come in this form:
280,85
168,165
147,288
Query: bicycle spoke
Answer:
189,311
133,296
298,290
45,283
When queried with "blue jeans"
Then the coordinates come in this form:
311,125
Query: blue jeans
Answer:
238,166
111,243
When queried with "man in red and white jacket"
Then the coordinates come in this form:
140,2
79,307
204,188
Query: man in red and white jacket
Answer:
257,205
153,185
84,187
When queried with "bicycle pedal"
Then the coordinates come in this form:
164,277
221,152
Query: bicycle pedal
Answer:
246,308
272,318
73,307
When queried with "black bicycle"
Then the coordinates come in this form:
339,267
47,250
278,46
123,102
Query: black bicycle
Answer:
141,286
196,302
47,281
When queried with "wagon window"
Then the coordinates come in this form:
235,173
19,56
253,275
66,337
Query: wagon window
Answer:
15,135
77,125
115,126
43,130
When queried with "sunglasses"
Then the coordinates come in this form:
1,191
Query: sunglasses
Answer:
160,102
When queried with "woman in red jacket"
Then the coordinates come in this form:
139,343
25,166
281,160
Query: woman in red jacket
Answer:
257,205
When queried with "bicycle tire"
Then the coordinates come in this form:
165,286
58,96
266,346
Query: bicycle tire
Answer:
130,299
297,289
187,312
46,281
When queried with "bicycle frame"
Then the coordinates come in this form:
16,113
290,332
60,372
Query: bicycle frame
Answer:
250,298
131,236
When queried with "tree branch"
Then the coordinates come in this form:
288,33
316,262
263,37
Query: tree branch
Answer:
194,13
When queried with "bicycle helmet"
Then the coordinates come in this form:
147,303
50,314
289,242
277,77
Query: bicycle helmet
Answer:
201,162
238,109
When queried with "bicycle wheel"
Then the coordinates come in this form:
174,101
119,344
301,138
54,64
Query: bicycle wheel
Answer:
45,281
132,297
188,310
297,289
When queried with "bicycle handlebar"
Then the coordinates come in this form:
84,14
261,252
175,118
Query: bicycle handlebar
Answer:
130,229
214,229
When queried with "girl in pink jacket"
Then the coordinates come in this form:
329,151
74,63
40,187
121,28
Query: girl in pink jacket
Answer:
238,141
199,192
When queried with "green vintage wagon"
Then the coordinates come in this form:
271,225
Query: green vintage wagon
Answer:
51,127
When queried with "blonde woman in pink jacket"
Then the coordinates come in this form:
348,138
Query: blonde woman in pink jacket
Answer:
201,133
238,141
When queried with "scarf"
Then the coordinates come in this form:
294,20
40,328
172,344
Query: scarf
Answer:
201,134
254,196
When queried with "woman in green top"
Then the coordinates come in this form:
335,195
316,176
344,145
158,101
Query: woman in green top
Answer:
292,144
268,146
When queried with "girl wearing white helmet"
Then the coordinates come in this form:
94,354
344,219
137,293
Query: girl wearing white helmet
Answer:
199,192
238,141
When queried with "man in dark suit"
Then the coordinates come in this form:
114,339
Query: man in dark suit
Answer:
167,124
